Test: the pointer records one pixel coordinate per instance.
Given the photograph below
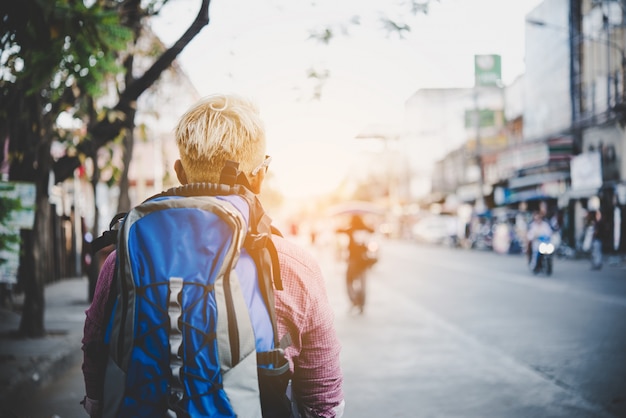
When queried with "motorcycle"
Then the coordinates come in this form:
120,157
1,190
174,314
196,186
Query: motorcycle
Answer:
543,251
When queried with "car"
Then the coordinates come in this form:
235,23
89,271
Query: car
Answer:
436,229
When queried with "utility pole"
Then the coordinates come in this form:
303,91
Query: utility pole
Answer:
480,199
607,29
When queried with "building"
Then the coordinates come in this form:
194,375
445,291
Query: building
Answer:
586,53
456,127
563,126
601,97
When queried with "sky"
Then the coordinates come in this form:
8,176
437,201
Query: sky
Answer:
261,49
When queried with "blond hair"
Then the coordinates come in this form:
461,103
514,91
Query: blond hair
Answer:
216,129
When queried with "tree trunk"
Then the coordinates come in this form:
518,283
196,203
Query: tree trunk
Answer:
35,271
37,264
123,205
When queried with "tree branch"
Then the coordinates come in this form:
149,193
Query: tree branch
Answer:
106,130
140,85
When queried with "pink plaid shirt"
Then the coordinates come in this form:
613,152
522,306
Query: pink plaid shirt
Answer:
302,309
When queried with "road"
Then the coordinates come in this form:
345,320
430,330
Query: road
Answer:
456,333
459,333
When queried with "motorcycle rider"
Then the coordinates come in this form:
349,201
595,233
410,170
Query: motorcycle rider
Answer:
538,227
357,232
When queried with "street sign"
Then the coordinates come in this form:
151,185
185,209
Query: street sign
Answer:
487,70
19,197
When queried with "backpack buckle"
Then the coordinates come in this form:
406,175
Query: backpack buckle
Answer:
175,403
255,241
273,362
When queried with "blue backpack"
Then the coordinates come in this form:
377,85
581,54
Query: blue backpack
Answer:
193,328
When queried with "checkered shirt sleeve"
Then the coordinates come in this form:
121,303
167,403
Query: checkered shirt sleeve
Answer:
303,310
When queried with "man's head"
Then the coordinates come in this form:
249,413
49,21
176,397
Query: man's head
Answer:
537,216
217,129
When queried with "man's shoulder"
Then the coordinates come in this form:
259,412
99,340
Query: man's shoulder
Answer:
292,252
302,277
297,264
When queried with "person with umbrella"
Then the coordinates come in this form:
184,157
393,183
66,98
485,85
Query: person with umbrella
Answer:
358,259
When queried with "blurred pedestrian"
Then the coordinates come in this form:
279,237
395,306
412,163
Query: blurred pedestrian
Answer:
597,225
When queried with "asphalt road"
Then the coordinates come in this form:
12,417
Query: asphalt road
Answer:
459,333
475,334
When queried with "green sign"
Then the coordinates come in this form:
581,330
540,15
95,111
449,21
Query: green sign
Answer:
487,117
17,211
487,70
23,216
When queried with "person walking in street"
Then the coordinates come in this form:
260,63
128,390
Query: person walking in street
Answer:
596,224
224,128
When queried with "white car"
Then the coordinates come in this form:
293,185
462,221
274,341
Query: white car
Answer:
436,229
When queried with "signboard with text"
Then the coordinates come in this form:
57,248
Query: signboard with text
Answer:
586,171
25,193
17,200
487,70
484,117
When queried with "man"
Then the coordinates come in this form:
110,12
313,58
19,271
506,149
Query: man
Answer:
598,232
538,227
217,129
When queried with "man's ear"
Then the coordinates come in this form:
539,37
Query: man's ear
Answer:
180,172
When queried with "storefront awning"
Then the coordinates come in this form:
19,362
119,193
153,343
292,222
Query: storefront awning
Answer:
575,194
535,179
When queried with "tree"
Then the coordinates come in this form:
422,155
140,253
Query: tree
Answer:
106,129
48,66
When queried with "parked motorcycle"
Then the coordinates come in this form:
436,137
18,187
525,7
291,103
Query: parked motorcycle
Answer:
543,252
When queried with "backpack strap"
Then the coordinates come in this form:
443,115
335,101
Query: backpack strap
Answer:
261,248
108,237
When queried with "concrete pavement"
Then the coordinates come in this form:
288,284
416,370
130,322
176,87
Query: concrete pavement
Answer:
26,364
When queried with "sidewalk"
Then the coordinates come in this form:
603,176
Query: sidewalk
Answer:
26,363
